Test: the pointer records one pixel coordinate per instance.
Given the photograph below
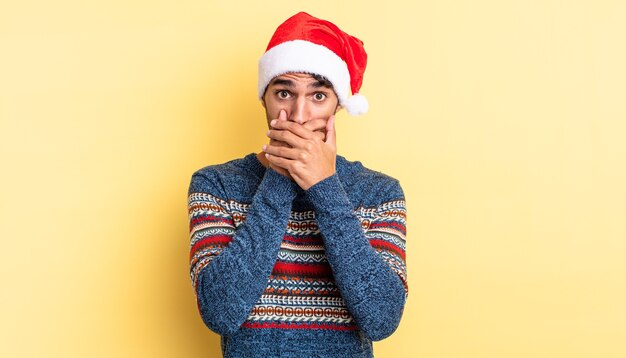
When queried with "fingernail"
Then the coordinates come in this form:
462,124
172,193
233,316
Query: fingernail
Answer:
264,146
267,133
273,122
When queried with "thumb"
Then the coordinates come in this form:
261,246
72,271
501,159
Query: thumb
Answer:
282,115
331,138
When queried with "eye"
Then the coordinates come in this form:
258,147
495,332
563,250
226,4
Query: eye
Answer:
282,94
319,96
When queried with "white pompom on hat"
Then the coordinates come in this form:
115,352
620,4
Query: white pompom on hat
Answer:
307,44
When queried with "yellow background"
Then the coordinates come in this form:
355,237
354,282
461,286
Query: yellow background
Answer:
503,120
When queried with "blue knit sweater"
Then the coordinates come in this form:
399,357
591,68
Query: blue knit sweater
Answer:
279,271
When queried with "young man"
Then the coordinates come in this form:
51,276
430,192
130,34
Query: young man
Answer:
296,251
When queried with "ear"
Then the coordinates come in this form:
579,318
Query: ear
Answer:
339,107
263,102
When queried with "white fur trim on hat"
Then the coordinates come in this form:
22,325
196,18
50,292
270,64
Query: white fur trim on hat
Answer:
357,105
305,56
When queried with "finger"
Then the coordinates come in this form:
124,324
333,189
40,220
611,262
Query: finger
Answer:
320,135
318,126
278,161
331,138
293,127
282,115
287,137
281,151
278,143
280,170
315,124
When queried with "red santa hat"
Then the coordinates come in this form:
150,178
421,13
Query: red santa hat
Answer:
304,43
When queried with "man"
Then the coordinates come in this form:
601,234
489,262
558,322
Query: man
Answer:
296,251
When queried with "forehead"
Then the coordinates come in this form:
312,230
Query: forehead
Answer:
293,77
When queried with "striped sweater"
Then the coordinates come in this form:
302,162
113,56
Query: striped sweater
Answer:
279,271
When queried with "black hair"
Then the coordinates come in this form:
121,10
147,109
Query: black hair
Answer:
323,81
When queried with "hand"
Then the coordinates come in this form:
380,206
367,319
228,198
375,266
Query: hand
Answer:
316,125
308,157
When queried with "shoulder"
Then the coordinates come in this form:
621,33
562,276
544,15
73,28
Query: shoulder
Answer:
236,176
367,186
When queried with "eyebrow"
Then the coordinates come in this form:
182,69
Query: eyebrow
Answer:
280,81
289,83
318,84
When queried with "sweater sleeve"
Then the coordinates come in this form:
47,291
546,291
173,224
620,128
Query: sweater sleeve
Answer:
229,265
367,259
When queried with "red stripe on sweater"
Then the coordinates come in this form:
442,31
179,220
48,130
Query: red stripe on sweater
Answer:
329,326
295,269
389,247
221,240
391,224
303,239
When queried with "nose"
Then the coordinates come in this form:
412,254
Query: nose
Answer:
299,111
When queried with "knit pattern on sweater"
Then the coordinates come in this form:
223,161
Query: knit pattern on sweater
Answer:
265,254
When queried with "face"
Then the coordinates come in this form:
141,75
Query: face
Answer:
302,97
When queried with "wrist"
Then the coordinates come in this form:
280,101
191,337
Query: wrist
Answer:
328,191
314,182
